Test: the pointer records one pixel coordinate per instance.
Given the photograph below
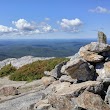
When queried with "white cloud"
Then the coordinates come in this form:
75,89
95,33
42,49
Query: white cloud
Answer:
37,31
6,30
24,25
100,9
71,25
47,28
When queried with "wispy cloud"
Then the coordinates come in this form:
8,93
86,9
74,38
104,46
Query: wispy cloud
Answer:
100,9
70,25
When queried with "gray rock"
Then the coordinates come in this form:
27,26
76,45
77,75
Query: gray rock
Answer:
103,70
78,69
96,47
90,101
60,102
91,56
95,89
102,37
74,90
65,78
56,72
8,90
47,80
51,88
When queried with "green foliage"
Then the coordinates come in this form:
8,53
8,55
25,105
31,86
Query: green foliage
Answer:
35,70
7,70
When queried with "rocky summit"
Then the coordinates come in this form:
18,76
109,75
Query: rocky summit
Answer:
82,83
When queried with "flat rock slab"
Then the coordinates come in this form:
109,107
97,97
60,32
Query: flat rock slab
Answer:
67,89
91,56
96,47
21,102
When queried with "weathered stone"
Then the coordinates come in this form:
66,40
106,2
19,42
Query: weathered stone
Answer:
98,47
65,78
91,56
51,88
66,89
103,70
91,101
56,72
102,37
60,102
9,90
78,69
47,80
95,89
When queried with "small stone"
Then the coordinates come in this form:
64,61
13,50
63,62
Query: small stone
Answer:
47,80
9,90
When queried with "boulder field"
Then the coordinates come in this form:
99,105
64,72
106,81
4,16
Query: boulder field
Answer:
82,83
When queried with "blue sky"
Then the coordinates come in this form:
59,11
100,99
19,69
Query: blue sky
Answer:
54,18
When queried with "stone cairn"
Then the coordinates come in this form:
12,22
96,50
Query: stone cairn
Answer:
82,83
102,38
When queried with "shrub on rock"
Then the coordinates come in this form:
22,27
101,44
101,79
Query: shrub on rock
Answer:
7,70
35,70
